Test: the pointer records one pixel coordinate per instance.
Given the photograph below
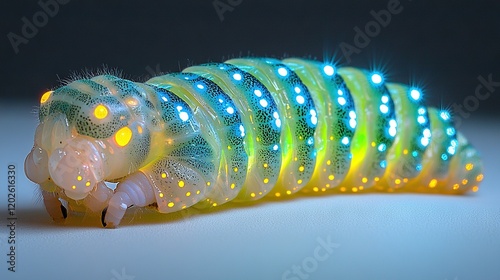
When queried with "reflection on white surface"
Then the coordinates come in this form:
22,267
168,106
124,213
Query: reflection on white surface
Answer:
406,236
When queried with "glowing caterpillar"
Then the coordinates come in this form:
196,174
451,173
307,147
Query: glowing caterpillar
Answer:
238,131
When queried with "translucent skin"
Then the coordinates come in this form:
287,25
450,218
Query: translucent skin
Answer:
238,131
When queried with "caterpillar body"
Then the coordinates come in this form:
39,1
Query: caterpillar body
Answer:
238,131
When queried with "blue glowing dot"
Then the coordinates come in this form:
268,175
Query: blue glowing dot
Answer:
300,99
377,78
200,86
450,131
418,167
340,92
345,140
445,115
352,114
421,110
451,150
341,101
297,89
282,71
385,98
444,156
263,103
310,141
393,123
384,109
184,116
424,141
427,133
230,110
329,70
257,92
415,94
421,119
383,164
237,76
414,153
352,123
275,147
392,131
314,119
381,147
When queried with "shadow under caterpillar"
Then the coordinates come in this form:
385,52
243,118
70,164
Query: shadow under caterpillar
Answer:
239,131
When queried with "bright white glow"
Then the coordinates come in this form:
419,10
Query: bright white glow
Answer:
184,116
392,131
454,142
427,133
221,101
415,94
314,120
242,130
385,98
352,123
345,140
451,150
282,71
275,147
424,141
376,78
310,141
329,70
421,119
384,109
278,122
340,92
230,110
164,98
257,92
297,89
178,108
200,86
421,110
341,100
263,103
393,123
237,76
276,115
445,115
352,114
300,99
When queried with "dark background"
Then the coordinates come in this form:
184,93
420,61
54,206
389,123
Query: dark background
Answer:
443,47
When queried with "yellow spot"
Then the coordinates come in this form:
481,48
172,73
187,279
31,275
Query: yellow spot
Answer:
323,189
405,151
354,189
257,139
87,184
295,159
100,111
252,194
364,180
208,183
170,204
299,181
233,186
475,188
123,136
433,183
465,181
469,166
161,194
277,194
229,147
132,102
342,189
79,178
260,193
373,144
327,185
235,169
479,177
198,192
181,184
139,129
301,168
328,162
266,180
214,204
405,180
315,189
266,165
288,192
73,187
376,179
226,199
45,97
398,181
188,194
331,177
183,207
361,188
164,175
456,186
331,138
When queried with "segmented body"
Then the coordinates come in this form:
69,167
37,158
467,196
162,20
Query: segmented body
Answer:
248,128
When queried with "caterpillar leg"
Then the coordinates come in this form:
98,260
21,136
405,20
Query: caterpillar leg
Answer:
54,207
136,190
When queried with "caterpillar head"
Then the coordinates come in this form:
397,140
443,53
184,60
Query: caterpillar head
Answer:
88,133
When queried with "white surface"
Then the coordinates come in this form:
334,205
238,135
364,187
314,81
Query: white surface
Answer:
379,236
